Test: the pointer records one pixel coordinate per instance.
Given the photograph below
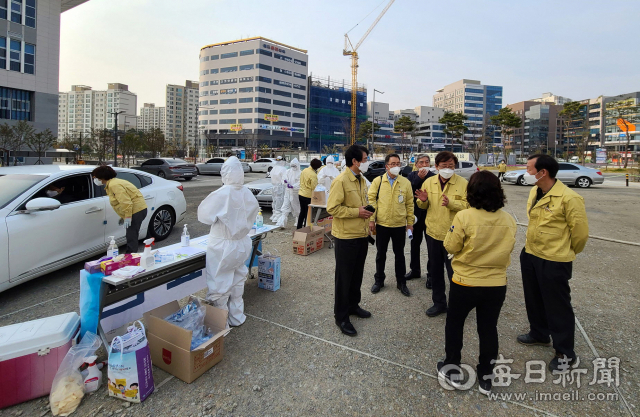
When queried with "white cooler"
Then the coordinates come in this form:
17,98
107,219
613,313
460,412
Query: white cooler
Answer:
30,354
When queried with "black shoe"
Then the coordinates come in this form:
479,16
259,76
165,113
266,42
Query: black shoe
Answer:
434,311
429,285
484,385
412,274
376,288
360,312
528,340
561,364
404,290
452,375
347,328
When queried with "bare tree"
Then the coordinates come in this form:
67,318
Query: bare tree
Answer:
40,142
22,133
6,136
102,143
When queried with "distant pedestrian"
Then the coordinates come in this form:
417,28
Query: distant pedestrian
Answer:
502,169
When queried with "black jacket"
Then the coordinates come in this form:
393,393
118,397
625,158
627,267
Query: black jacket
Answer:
416,183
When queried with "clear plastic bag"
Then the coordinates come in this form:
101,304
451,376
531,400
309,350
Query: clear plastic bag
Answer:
67,389
191,317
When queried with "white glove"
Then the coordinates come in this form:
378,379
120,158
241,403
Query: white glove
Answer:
127,222
450,255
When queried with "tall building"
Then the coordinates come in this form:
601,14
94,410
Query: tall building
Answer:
473,99
182,113
614,138
541,129
29,54
83,108
151,117
330,112
552,98
253,91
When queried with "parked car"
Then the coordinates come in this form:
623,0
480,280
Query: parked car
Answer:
262,188
45,234
261,165
570,174
214,165
170,168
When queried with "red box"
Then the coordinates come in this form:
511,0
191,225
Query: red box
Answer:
108,267
30,354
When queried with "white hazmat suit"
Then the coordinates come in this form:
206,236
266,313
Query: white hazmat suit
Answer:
328,174
292,186
277,179
231,211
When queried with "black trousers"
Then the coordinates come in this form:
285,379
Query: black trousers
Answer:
419,231
501,175
304,208
547,296
351,255
397,237
133,231
488,302
437,262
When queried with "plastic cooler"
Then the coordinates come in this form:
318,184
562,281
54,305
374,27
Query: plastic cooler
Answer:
30,354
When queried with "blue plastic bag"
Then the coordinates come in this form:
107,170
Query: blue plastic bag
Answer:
89,301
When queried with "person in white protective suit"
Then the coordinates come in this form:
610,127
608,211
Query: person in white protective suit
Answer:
292,186
277,180
231,211
328,174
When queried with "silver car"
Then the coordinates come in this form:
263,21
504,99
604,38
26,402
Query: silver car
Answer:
214,165
570,174
262,188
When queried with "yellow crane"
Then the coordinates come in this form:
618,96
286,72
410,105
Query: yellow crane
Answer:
354,68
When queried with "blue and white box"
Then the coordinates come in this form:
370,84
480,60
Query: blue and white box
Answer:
269,272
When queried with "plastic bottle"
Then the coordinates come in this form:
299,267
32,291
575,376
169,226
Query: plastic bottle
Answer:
93,379
259,220
184,239
147,260
112,250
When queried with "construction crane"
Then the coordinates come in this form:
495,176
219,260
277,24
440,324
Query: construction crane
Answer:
354,68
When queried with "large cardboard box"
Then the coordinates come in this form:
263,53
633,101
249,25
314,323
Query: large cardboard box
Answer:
326,224
170,344
319,198
269,272
308,240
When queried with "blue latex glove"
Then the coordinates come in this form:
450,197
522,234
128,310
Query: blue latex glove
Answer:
127,222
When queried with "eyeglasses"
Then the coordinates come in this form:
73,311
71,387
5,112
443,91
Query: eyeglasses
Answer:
394,164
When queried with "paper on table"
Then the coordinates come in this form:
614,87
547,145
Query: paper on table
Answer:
188,251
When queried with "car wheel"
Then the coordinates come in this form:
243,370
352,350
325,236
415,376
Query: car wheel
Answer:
161,223
188,178
250,169
583,182
520,180
161,174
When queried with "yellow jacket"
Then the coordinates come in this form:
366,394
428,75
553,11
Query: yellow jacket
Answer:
558,227
124,197
308,182
502,167
394,205
346,197
439,217
481,243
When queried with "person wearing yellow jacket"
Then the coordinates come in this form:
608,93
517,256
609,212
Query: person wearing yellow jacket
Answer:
480,239
126,200
308,182
347,202
392,197
502,169
558,230
443,195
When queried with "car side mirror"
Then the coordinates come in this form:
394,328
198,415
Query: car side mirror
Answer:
41,204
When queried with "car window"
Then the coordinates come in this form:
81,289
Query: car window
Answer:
12,186
216,161
175,161
144,180
263,160
151,162
72,189
566,167
467,165
132,178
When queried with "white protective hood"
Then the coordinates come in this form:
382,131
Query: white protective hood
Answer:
277,172
328,173
293,174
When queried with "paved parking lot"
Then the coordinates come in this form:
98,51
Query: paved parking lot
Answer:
290,359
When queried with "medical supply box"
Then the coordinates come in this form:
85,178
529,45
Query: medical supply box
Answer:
308,240
30,354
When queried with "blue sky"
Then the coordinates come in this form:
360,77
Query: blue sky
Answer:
574,48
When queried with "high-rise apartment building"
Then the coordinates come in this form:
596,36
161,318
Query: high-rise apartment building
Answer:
83,108
181,113
613,136
473,99
151,117
541,129
254,90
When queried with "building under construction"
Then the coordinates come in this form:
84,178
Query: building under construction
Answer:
329,112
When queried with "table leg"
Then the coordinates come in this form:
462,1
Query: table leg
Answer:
254,251
309,211
318,212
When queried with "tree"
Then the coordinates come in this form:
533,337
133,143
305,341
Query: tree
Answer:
102,143
6,136
626,114
486,138
22,133
329,150
154,142
404,125
130,144
507,120
365,130
40,142
454,125
570,111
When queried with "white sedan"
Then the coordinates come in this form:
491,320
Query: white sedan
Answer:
262,164
40,234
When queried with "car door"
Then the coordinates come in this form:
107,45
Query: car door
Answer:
567,173
263,164
46,239
206,168
216,165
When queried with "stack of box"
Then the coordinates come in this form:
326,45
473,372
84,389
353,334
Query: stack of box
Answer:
120,261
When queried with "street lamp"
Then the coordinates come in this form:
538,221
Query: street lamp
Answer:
373,120
115,137
198,108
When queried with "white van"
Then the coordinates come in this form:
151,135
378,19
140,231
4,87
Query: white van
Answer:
574,159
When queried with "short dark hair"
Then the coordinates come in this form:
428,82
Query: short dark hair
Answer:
445,156
485,192
356,152
104,172
389,156
316,163
547,162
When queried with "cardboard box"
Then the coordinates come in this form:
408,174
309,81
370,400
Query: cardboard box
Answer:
326,224
269,272
308,240
319,198
170,345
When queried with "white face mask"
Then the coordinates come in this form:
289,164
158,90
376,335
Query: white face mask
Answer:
364,167
97,182
394,171
531,179
51,193
446,173
433,169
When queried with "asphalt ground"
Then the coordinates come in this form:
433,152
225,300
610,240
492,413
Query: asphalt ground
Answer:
290,359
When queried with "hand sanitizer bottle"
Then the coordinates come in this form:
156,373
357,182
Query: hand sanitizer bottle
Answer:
112,250
259,220
184,239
